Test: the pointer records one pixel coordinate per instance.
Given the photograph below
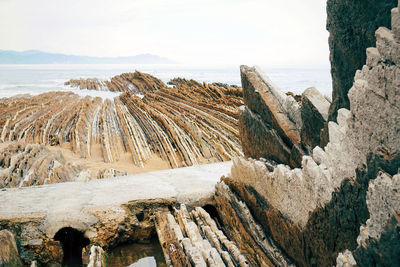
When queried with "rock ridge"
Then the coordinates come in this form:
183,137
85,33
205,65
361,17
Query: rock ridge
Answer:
188,124
344,198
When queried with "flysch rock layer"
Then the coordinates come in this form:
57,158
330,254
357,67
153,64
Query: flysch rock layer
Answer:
136,82
242,228
274,125
315,212
107,212
32,164
24,165
314,115
270,122
186,125
194,239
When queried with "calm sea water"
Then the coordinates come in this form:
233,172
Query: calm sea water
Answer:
35,79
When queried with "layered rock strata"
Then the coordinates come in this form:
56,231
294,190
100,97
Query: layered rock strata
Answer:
344,196
275,125
240,225
136,82
188,124
314,115
23,165
194,239
32,164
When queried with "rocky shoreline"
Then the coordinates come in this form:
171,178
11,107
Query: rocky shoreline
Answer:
169,127
317,183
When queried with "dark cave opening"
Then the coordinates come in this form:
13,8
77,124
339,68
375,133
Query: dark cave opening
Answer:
72,242
213,213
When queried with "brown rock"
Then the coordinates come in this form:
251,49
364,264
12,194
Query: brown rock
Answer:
24,165
259,97
314,114
270,124
189,124
9,256
260,139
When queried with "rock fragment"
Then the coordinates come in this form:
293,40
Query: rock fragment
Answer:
9,256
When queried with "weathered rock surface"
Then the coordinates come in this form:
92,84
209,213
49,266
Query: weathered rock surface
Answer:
352,26
107,212
345,259
270,123
314,115
32,164
188,124
241,227
194,239
110,173
315,212
136,82
276,126
97,257
379,239
9,256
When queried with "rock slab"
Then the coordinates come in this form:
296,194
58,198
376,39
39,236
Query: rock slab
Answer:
9,256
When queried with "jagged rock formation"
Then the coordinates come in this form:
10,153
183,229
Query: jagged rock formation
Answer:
32,164
270,122
136,82
316,212
9,256
109,173
379,240
194,239
275,125
352,26
241,227
188,124
97,257
23,165
314,115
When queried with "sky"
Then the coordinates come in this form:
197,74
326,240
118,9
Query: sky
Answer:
264,32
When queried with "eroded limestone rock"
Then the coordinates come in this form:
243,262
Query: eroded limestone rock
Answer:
24,165
186,125
352,26
9,256
270,123
345,259
379,239
194,239
110,173
97,257
315,212
314,115
241,227
136,82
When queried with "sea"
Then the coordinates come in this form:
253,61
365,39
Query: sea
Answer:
36,78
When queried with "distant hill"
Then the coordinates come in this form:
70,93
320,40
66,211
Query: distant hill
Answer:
40,57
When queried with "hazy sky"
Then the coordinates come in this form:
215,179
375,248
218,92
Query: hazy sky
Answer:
265,32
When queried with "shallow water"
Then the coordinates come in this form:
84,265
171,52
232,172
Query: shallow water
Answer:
137,255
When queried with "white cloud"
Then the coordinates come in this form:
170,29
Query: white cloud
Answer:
191,31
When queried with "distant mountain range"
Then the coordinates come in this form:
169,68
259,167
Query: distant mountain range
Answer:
40,57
